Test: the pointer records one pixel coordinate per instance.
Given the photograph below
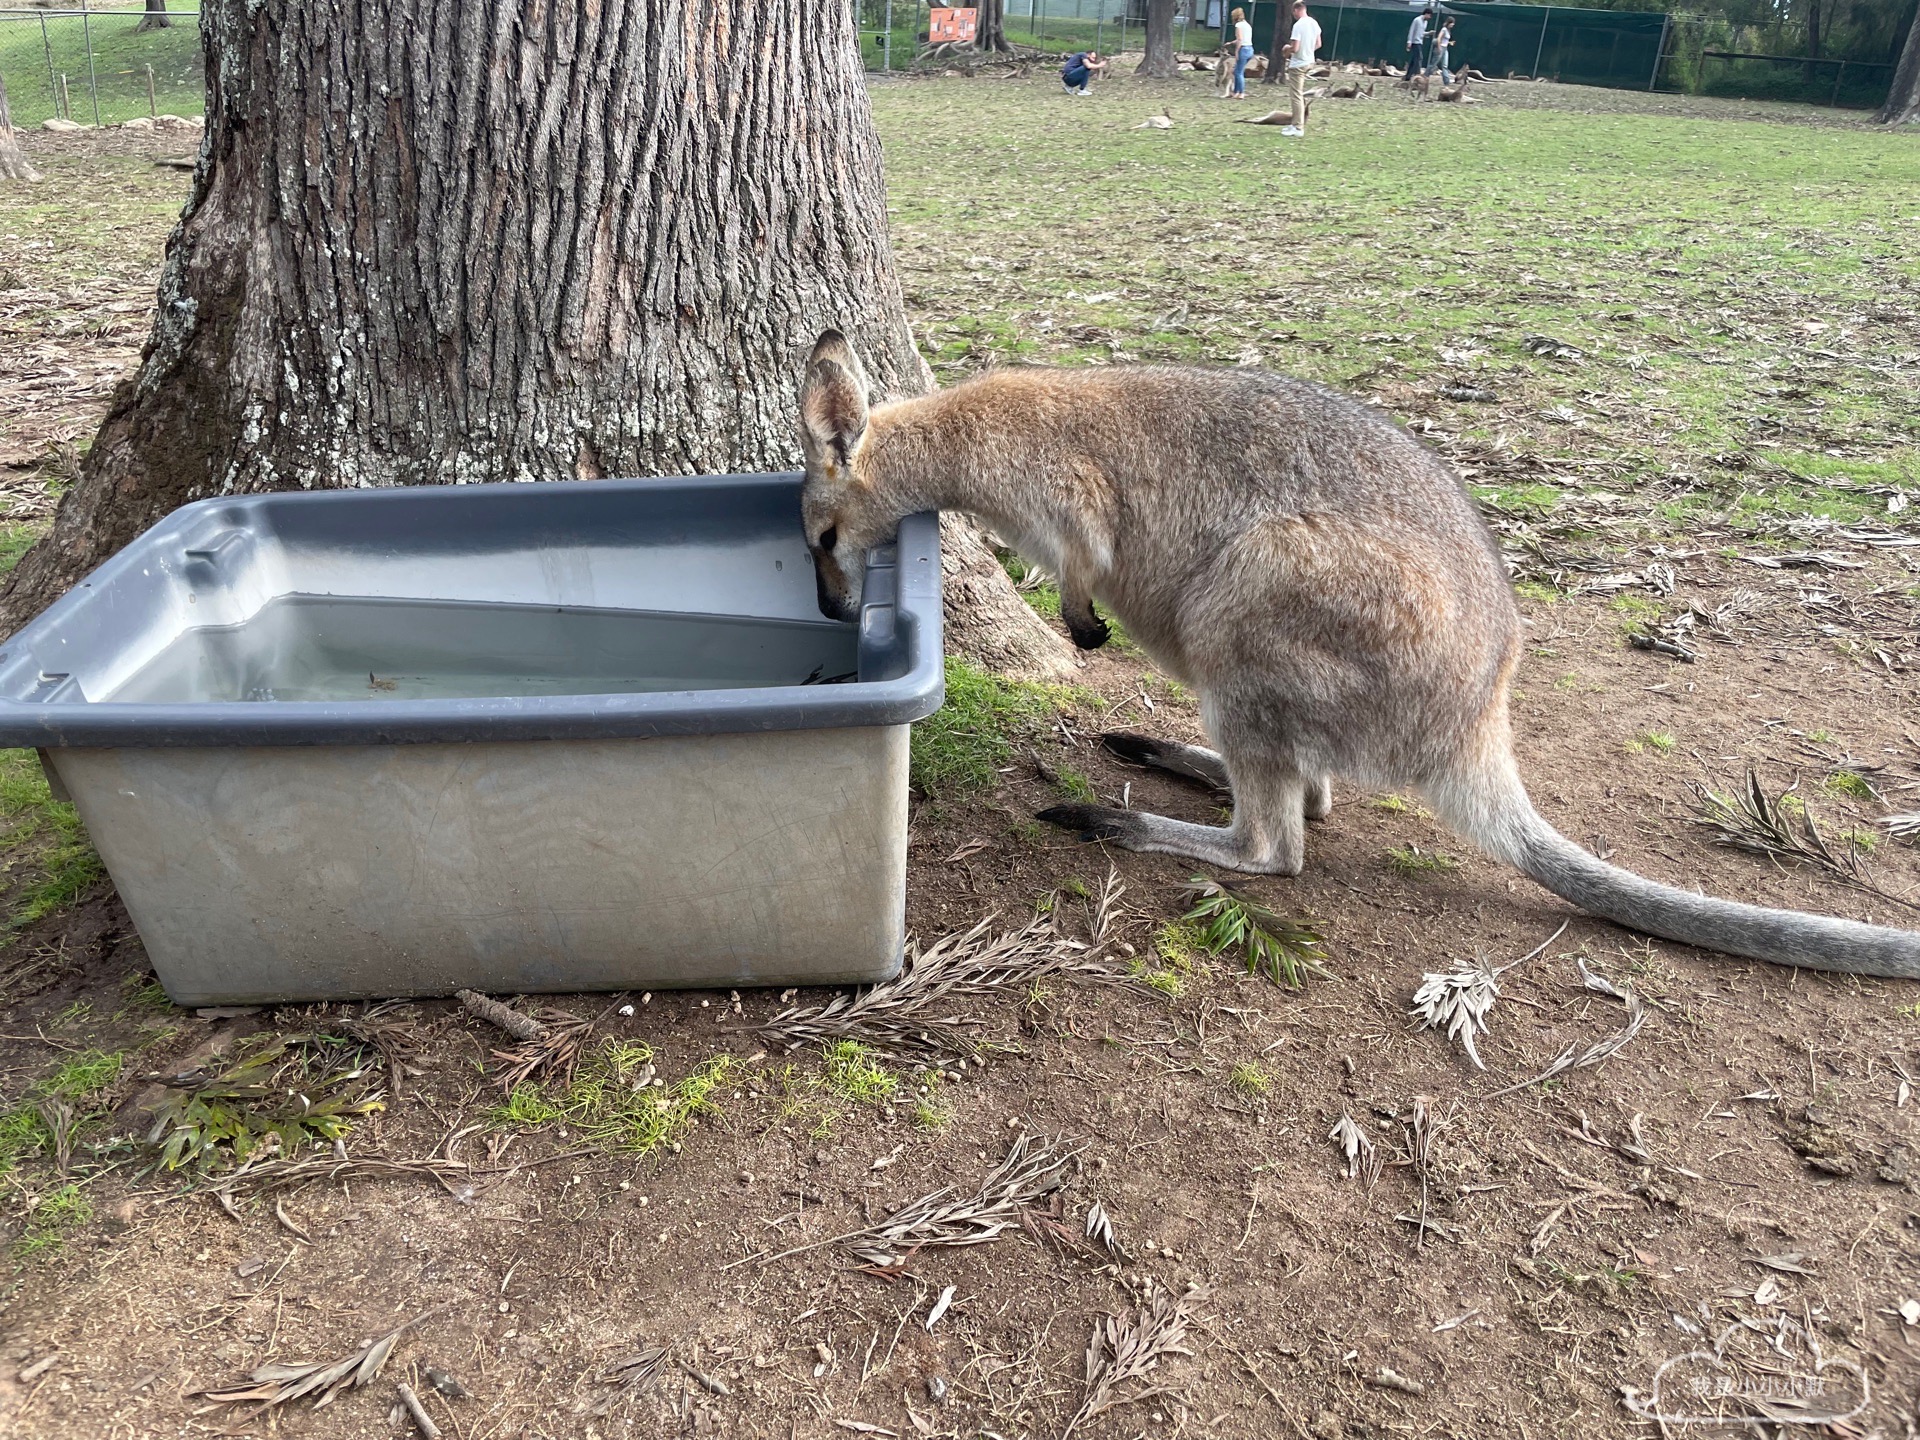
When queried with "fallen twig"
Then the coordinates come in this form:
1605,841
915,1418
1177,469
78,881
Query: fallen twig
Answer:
1128,1347
421,1419
1573,1058
1458,1001
630,1374
904,1018
1034,1168
1363,1159
550,1043
1748,820
280,1384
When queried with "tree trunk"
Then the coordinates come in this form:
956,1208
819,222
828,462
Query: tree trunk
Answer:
155,18
13,163
1158,61
990,26
433,243
1903,100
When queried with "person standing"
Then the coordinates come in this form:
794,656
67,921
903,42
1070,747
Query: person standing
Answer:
1242,51
1417,44
1299,52
1443,51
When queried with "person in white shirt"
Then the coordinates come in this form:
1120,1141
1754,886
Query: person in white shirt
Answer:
1417,44
1242,51
1443,52
1299,52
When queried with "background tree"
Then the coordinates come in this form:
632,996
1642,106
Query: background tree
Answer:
1903,100
13,163
990,26
155,17
1158,61
538,241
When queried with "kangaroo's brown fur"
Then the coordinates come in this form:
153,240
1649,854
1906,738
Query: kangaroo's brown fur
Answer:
1319,578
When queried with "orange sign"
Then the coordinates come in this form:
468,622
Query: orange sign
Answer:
952,25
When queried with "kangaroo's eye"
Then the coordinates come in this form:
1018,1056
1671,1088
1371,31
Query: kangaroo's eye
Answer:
829,537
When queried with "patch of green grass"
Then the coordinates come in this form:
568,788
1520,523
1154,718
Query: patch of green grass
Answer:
930,1111
1285,951
1848,785
1412,860
527,1106
1177,944
1166,982
85,1075
1536,590
1637,607
1659,740
51,1219
962,746
851,1072
1399,805
610,1102
1075,786
16,538
144,996
24,1132
57,862
1863,840
1250,1080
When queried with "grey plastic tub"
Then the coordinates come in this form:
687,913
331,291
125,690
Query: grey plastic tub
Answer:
588,736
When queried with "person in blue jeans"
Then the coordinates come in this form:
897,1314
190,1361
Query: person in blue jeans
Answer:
1077,74
1242,51
1442,59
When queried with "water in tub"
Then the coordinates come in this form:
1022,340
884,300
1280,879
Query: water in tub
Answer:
316,647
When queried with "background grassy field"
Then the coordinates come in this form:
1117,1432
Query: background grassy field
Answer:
1730,285
35,51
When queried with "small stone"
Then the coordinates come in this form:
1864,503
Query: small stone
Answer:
626,1009
746,1177
505,1307
628,1185
937,1389
647,999
705,1003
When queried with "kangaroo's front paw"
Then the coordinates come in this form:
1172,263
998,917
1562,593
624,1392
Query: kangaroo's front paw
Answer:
1094,822
1089,631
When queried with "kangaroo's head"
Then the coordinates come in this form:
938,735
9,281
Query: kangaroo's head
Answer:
838,506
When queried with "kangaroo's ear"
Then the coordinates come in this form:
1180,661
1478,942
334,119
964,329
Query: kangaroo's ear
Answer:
833,397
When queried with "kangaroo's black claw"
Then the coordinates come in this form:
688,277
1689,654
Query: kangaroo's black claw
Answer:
1088,635
1094,822
1131,745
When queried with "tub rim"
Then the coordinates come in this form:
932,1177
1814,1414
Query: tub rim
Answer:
910,615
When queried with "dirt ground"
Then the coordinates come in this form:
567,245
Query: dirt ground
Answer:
1738,1177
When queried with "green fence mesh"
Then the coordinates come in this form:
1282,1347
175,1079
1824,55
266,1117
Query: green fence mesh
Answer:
1618,48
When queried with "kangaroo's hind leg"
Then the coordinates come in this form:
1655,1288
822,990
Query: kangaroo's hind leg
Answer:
1203,766
1267,836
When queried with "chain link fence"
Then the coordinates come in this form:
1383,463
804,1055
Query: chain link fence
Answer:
894,33
99,67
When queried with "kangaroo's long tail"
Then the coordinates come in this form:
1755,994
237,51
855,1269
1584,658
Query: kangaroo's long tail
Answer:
1491,806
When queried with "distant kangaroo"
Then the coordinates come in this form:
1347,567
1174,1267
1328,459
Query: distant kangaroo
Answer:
1320,579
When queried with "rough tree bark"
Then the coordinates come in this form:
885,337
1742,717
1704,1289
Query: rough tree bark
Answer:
1903,100
155,18
1158,61
432,242
990,26
13,163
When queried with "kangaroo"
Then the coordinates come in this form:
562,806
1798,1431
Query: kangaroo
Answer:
1320,579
